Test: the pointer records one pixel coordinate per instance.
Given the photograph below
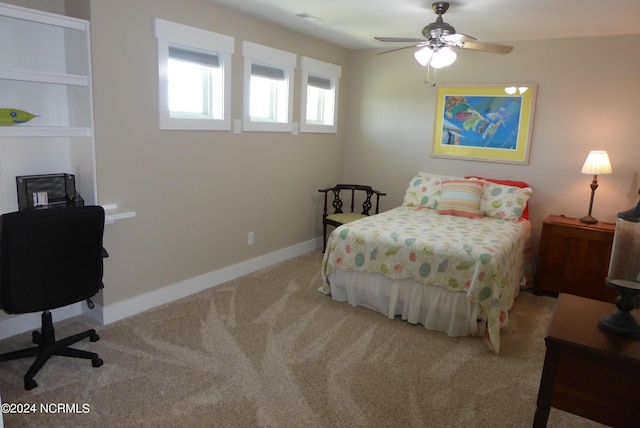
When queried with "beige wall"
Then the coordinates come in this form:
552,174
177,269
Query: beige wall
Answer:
588,94
197,194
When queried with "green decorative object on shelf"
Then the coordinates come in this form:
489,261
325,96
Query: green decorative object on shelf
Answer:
12,116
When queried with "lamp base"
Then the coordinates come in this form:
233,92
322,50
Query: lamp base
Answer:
589,219
621,321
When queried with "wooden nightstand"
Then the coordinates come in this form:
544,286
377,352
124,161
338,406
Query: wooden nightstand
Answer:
588,371
574,258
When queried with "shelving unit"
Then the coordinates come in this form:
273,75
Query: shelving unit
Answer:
45,69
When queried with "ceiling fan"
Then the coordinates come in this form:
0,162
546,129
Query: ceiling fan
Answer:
436,50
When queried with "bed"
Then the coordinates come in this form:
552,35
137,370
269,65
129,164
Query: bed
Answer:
452,257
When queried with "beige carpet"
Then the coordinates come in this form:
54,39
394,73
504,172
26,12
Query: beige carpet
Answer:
268,350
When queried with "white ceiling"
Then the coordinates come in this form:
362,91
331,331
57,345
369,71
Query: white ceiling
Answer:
354,23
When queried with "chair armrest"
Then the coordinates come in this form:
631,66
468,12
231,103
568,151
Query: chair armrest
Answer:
351,189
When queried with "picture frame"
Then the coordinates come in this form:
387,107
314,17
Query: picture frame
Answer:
490,123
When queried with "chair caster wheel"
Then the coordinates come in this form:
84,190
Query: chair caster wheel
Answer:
30,384
97,362
94,338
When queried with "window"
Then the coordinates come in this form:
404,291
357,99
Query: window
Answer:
268,74
195,82
269,94
194,77
319,96
320,101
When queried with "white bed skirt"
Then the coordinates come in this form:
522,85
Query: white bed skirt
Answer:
436,308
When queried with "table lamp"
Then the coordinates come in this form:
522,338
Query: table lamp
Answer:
597,163
624,274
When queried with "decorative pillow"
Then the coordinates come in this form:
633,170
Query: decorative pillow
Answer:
424,190
520,184
505,202
461,198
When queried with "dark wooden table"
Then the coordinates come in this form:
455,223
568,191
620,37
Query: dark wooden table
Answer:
573,258
588,371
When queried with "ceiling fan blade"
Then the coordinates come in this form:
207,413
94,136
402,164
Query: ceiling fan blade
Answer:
457,38
398,39
399,49
485,47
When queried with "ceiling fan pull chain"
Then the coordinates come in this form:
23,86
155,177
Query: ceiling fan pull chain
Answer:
435,71
427,82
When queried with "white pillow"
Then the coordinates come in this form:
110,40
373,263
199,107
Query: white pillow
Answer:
424,190
502,201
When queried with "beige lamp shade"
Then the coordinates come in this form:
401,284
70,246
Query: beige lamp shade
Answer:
597,163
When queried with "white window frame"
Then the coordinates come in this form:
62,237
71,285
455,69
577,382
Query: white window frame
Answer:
275,58
169,34
323,70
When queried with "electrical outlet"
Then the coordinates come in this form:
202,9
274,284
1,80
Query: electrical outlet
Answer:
250,238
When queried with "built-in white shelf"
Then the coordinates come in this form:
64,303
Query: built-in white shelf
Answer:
44,77
45,69
44,131
41,17
113,213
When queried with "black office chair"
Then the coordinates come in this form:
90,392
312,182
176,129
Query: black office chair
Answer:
50,258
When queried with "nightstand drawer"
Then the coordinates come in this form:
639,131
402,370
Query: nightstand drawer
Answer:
574,258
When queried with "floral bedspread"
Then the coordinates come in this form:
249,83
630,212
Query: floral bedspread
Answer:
483,258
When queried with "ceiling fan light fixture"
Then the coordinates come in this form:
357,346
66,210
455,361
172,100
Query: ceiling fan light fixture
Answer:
443,57
434,51
423,55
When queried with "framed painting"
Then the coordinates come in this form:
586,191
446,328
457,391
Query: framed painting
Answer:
485,123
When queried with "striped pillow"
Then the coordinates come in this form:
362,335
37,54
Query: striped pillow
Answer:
461,198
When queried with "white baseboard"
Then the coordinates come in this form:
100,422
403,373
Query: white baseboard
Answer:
104,315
